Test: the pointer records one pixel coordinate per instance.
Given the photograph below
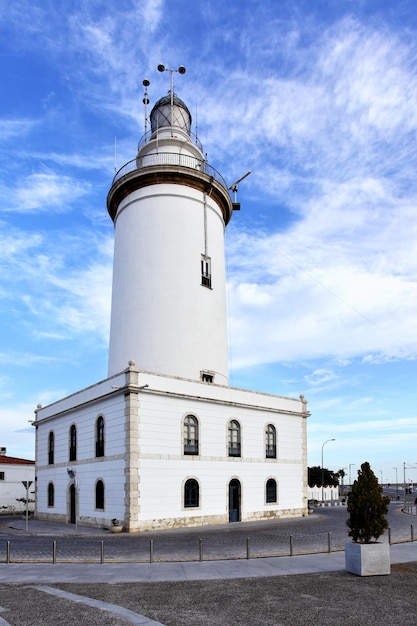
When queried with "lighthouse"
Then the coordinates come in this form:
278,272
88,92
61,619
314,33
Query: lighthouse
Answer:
164,441
170,209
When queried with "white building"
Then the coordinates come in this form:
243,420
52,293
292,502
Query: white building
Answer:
14,472
164,441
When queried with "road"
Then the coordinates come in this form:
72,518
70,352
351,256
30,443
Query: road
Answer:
265,538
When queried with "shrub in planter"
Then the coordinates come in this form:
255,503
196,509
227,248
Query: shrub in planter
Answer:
367,521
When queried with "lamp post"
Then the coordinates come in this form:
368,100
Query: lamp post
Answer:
396,478
322,469
350,465
406,466
382,482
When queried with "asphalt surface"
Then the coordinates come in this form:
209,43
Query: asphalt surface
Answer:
258,591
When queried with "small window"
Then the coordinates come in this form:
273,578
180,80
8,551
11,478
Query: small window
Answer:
1,475
234,438
100,495
190,435
206,376
73,443
51,447
191,493
100,437
51,494
271,490
206,271
270,442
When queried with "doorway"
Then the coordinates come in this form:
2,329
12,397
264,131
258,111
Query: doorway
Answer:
72,504
234,500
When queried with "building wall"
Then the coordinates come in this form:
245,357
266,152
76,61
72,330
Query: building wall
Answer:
144,470
11,487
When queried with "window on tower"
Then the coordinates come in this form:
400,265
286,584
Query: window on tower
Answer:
206,271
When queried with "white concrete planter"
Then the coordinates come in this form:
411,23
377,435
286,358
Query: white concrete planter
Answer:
116,529
368,559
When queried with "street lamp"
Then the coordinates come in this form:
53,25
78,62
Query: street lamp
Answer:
407,466
382,482
396,478
350,465
322,469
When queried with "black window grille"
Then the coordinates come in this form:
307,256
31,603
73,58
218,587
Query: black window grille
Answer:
73,443
100,495
234,438
51,448
51,494
206,271
100,437
190,435
191,493
271,442
271,490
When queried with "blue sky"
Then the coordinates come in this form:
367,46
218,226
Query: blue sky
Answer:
319,100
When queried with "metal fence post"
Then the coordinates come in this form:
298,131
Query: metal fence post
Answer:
329,542
412,532
101,552
7,551
389,535
200,548
151,551
247,548
54,552
291,545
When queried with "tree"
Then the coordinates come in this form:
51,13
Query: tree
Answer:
329,477
341,473
367,507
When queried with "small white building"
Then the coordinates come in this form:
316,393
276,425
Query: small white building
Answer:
14,472
164,441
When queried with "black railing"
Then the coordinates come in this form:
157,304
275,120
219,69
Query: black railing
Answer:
169,158
271,452
191,446
234,449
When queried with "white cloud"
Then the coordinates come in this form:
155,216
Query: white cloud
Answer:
43,192
11,128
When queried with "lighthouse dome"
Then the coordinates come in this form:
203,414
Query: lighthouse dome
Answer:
165,113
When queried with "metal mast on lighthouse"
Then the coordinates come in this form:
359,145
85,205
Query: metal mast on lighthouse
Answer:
170,209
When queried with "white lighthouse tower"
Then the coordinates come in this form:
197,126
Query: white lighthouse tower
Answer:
164,441
170,210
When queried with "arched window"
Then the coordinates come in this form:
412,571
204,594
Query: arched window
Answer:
100,495
100,436
190,435
73,443
51,447
271,490
271,442
234,438
191,493
51,494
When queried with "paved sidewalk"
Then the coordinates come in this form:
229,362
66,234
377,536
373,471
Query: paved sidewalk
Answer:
284,591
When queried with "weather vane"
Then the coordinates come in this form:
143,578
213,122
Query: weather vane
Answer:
161,68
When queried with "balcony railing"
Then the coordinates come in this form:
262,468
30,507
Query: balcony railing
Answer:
169,158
